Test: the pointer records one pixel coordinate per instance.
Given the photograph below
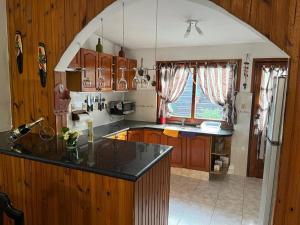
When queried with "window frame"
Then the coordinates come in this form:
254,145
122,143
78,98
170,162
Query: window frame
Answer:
194,63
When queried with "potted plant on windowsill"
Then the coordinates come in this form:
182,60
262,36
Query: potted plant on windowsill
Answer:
70,137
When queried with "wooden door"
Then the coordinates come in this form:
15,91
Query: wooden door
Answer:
153,137
255,164
179,150
120,63
105,62
89,65
198,153
131,65
135,135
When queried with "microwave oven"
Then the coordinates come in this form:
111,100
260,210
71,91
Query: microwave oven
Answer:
121,107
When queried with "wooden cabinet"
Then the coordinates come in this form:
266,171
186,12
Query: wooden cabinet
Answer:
84,80
179,150
198,153
135,135
88,60
154,137
75,63
120,70
105,66
87,67
131,66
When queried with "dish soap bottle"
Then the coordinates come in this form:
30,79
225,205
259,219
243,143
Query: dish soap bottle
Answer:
99,46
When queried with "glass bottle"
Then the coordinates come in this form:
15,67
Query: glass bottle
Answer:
99,46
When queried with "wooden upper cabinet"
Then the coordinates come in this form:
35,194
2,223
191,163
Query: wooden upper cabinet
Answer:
135,135
198,153
131,66
154,137
105,63
89,64
120,63
75,63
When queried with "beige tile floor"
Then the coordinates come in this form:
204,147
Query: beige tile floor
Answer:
233,200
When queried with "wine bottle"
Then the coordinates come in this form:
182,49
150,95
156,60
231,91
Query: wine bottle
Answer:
24,129
99,46
122,52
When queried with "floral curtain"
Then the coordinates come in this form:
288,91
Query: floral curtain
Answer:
173,80
218,85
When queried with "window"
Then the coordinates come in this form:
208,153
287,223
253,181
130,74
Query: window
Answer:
182,107
193,104
204,109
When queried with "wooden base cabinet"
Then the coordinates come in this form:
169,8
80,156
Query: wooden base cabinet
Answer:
154,137
189,152
135,135
198,153
179,151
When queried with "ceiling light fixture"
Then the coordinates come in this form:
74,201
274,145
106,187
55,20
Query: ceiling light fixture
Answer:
192,23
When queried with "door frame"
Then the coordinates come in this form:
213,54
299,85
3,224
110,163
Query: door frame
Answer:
257,61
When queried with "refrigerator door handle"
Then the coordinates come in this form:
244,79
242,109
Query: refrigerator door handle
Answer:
275,143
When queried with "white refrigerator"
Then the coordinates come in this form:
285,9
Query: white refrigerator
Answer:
272,151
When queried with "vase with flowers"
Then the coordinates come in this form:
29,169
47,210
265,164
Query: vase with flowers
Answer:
70,137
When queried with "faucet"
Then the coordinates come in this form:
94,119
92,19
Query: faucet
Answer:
183,122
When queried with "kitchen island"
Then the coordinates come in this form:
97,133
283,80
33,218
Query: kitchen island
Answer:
108,182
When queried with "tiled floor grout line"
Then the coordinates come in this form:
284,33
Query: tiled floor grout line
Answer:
213,213
244,189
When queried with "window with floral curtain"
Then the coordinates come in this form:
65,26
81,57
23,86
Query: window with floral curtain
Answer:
207,92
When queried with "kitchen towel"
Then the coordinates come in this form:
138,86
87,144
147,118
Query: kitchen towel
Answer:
171,133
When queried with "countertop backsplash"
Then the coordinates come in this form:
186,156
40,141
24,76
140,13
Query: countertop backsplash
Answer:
99,117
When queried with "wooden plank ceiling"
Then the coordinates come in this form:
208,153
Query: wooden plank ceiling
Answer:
55,22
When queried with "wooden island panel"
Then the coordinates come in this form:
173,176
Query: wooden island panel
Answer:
55,195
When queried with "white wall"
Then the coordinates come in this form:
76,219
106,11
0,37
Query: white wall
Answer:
108,46
99,117
5,106
146,98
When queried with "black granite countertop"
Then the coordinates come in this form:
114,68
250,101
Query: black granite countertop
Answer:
120,159
113,128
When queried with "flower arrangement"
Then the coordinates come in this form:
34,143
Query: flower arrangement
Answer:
70,136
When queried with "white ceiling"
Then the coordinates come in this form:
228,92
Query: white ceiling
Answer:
218,27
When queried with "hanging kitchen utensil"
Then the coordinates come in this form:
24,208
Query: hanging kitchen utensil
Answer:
19,51
42,64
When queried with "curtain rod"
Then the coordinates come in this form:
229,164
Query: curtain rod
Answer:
196,63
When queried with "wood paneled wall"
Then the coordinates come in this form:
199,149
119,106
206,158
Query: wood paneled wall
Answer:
54,22
57,21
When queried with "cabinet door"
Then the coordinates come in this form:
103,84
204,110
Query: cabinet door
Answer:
89,63
198,153
179,150
153,137
131,65
135,135
119,64
75,63
105,62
